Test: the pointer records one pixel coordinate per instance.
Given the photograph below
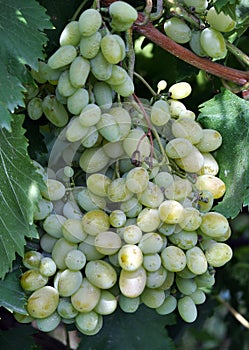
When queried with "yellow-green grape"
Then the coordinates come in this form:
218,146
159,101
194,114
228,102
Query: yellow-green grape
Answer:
210,166
152,298
186,286
180,90
101,274
168,281
191,219
43,302
152,262
168,306
34,108
47,267
88,141
95,221
47,243
132,234
89,22
86,297
214,225
52,225
70,34
178,148
160,113
48,324
54,111
69,282
89,249
196,261
210,141
65,87
90,115
188,129
123,119
44,208
118,76
199,6
166,229
108,127
137,179
177,30
151,242
130,257
131,207
79,71
107,303
184,239
107,242
138,143
205,201
32,259
71,210
213,43
191,163
117,218
220,21
78,101
75,260
195,43
152,196
98,184
100,67
21,318
178,190
90,45
218,254
62,57
59,97
187,309
89,201
148,220
60,250
93,160
132,283
176,108
55,190
186,273
89,323
173,259
123,15
171,212
206,280
187,114
103,94
163,179
46,73
65,309
124,89
155,279
32,280
198,296
117,191
111,49
128,305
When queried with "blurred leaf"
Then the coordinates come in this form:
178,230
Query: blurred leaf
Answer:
229,114
18,338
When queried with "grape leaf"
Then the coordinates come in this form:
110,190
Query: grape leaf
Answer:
18,337
19,191
229,114
12,296
21,35
144,329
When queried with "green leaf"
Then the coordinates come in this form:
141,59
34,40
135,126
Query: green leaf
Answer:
18,338
19,191
12,296
22,23
229,114
144,329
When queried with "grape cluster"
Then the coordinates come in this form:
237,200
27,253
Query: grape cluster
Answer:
206,39
127,215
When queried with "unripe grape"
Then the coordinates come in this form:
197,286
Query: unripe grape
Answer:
178,148
155,279
107,242
100,67
98,184
65,87
129,305
79,71
103,94
212,184
71,210
118,76
47,243
90,115
220,21
213,43
60,250
88,201
196,261
89,249
191,219
43,302
32,259
21,318
186,286
195,43
86,297
34,108
89,22
176,108
163,179
188,129
101,274
55,190
187,309
90,45
173,259
132,283
180,90
95,221
137,141
186,273
151,242
198,296
117,191
72,230
87,321
69,282
168,306
75,131
160,113
44,208
93,160
191,163
70,34
78,101
54,111
65,309
178,190
184,239
218,254
117,218
75,260
52,225
210,141
111,49
148,220
210,166
108,127
166,229
132,234
152,196
107,303
177,30
206,280
47,267
171,212
91,139
126,88
123,15
152,262
137,180
123,119
198,5
62,57
32,280
152,298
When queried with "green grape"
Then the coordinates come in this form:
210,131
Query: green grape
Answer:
95,221
117,218
176,108
186,286
65,87
152,262
21,318
89,249
89,323
124,89
151,242
210,141
220,21
86,298
88,201
132,283
186,273
184,239
75,260
52,225
43,302
34,108
155,279
54,111
118,76
137,180
117,191
168,306
206,280
188,129
196,261
44,208
171,212
78,101
90,115
71,210
91,139
178,190
32,259
48,324
177,30
65,309
103,94
214,225
180,90
32,280
111,49
62,57
70,34
205,201
195,43
98,184
168,281
160,113
191,219
137,142
173,259
101,274
100,67
210,166
187,114
107,303
178,148
107,242
55,190
132,234
130,257
60,250
131,207
198,5
153,298
47,243
108,127
128,305
152,196
166,229
68,171
191,163
163,179
123,15
90,45
79,71
123,119
218,254
69,282
213,43
47,267
187,309
93,160
89,22
75,131
198,296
